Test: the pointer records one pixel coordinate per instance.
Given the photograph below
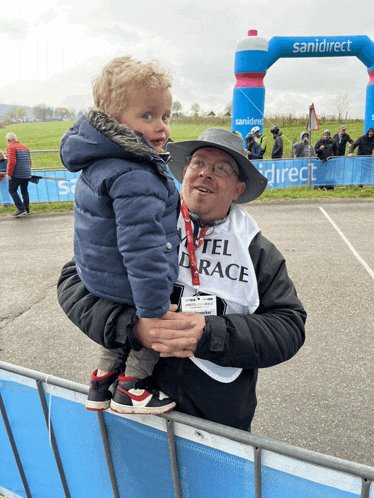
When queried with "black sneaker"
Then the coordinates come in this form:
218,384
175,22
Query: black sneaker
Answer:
99,395
19,213
140,399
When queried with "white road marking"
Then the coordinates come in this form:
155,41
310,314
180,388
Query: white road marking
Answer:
364,264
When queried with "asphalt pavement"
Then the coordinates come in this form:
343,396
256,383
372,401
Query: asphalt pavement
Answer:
322,399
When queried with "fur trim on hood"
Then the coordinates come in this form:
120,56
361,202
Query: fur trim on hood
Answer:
123,136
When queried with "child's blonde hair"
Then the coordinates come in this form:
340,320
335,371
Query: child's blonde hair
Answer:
121,77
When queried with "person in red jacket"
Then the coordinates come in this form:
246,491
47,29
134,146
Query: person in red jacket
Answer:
18,173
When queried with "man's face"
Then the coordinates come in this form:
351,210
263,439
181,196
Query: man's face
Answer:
342,131
306,137
326,136
371,134
207,195
148,112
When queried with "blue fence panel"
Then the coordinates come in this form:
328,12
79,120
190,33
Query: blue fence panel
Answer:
28,425
4,194
277,484
224,475
280,174
209,465
141,458
336,171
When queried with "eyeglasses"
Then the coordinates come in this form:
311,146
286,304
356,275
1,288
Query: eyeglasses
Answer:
222,170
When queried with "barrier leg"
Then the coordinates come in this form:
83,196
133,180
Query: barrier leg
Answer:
14,448
56,453
173,458
108,455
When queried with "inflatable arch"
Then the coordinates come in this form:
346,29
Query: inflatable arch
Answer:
254,56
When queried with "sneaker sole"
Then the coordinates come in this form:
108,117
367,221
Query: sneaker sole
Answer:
97,406
19,215
141,410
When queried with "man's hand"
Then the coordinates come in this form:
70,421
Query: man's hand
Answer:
176,342
175,334
9,177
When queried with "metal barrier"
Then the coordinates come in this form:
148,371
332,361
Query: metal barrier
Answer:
148,456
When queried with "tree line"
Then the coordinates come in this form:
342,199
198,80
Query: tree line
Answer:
40,112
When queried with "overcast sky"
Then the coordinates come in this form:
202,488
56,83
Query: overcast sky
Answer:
52,49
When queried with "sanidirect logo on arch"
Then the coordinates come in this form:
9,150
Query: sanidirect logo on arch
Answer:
323,46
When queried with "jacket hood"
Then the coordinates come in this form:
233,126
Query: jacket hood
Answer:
302,134
96,135
367,133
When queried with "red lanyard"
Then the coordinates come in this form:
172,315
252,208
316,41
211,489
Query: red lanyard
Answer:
191,247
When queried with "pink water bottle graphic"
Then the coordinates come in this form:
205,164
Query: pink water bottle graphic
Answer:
249,92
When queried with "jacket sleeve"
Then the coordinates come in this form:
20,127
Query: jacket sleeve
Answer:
256,151
278,146
354,145
334,148
105,322
139,203
271,335
317,148
11,155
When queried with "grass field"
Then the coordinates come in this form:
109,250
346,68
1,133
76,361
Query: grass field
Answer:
47,136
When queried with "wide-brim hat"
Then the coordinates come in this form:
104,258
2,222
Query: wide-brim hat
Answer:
229,142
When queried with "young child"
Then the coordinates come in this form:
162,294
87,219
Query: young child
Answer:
126,212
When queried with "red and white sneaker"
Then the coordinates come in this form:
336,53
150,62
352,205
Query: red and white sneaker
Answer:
140,399
99,395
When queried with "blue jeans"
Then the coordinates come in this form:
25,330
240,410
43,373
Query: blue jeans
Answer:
14,183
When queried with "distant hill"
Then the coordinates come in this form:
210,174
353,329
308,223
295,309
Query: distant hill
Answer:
4,108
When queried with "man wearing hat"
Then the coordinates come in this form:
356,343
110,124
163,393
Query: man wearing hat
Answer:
341,138
246,313
326,147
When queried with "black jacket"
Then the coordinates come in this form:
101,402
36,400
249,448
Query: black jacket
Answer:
364,143
341,142
269,336
277,151
330,149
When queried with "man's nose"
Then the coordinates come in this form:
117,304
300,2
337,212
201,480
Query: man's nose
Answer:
207,172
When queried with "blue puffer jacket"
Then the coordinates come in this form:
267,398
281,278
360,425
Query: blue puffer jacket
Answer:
126,212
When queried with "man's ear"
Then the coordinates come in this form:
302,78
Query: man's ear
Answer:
241,186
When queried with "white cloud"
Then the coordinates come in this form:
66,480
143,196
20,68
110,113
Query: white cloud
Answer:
52,49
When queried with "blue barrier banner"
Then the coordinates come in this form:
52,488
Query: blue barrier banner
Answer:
4,194
208,464
336,171
358,170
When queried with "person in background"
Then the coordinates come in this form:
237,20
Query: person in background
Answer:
277,151
259,138
3,165
253,149
341,138
301,149
18,173
326,147
365,144
248,315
